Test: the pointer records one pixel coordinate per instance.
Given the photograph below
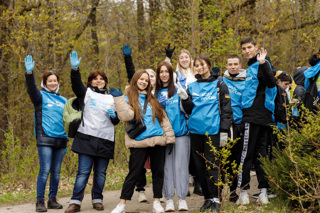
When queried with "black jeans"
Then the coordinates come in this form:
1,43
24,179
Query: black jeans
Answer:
138,157
254,146
200,146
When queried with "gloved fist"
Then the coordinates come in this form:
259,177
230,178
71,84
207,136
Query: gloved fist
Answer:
126,49
29,64
111,113
114,92
181,92
223,139
215,70
170,148
181,79
74,60
162,99
169,51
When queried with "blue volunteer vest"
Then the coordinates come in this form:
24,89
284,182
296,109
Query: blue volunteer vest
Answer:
52,110
251,85
205,116
176,117
153,129
236,88
310,73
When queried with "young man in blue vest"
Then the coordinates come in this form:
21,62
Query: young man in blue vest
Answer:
234,77
258,106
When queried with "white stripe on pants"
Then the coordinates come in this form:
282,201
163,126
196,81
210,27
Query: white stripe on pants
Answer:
176,169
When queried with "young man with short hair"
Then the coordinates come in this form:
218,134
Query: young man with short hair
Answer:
234,77
258,106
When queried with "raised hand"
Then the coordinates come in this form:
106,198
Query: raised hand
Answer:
114,92
162,99
169,51
126,49
181,79
215,70
181,92
262,55
74,60
29,64
111,113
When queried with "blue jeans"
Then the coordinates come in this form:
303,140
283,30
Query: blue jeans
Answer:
50,162
86,162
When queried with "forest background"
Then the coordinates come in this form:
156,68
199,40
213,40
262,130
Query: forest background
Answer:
97,29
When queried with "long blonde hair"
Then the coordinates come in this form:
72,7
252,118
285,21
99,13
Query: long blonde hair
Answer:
179,67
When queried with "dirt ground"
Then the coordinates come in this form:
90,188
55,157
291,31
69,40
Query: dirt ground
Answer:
111,199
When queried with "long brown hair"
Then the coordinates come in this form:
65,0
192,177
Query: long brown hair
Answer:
133,96
159,85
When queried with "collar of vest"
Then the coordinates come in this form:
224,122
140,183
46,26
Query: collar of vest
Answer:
97,90
48,91
212,77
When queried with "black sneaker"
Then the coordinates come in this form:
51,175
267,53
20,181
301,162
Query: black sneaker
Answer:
270,195
233,197
53,204
207,205
215,207
40,206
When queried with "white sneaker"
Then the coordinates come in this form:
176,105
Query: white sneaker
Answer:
243,200
183,205
162,200
142,197
121,208
157,208
263,199
169,206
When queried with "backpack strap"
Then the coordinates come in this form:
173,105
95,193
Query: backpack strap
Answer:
145,106
218,91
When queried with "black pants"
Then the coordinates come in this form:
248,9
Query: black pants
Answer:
235,155
142,181
200,146
254,146
138,157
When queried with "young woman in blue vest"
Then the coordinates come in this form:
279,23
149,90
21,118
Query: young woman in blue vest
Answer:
49,130
210,119
151,142
94,140
176,168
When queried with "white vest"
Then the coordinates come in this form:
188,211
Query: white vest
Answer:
96,119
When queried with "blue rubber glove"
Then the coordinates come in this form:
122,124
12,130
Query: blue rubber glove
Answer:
215,70
181,79
74,60
169,51
29,63
126,49
111,113
162,99
114,92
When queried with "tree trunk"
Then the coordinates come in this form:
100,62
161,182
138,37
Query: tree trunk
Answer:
140,28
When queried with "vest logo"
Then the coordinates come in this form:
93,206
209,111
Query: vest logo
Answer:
203,96
97,104
50,103
233,90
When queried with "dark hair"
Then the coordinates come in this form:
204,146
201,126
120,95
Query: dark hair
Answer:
234,56
285,77
95,74
159,84
203,57
247,40
46,74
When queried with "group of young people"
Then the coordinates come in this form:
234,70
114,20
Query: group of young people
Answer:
185,113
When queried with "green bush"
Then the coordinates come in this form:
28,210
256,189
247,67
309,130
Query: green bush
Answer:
295,172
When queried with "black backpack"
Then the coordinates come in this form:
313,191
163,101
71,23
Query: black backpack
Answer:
311,97
280,103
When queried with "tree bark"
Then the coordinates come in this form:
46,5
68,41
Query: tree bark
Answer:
140,28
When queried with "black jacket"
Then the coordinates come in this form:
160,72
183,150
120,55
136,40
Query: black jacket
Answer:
257,113
313,60
299,78
36,98
129,66
225,102
87,144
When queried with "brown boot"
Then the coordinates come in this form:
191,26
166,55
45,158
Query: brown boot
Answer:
72,208
98,206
